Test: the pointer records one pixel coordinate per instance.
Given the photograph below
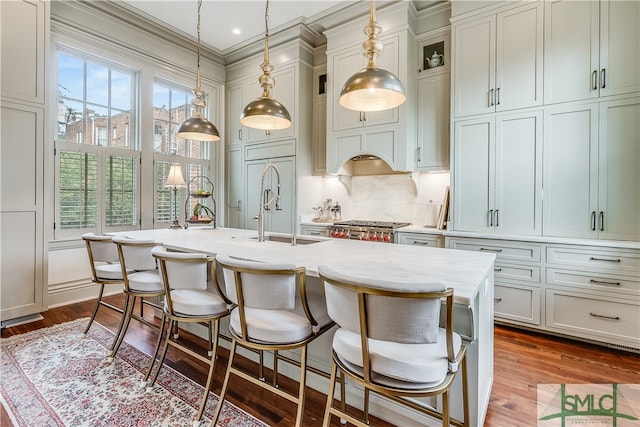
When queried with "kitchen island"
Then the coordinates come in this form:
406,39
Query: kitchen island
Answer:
470,274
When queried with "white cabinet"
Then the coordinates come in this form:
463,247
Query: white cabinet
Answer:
432,150
498,174
277,220
498,61
517,270
315,230
593,293
420,239
591,170
235,188
592,49
23,94
388,134
346,64
234,134
319,123
242,92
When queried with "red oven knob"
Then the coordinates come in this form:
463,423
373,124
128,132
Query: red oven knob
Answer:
380,237
363,236
386,238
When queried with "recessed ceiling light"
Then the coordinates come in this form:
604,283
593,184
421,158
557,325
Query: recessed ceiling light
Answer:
236,31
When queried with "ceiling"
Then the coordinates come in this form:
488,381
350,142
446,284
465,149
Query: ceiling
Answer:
219,18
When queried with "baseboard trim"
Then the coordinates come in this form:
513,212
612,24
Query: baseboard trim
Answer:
73,292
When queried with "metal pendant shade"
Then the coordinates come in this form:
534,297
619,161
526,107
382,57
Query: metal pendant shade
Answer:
197,127
372,88
266,112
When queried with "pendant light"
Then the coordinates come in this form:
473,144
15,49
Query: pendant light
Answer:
372,88
198,127
265,112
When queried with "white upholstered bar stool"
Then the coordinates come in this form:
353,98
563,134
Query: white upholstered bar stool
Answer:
105,269
141,281
274,312
390,340
191,295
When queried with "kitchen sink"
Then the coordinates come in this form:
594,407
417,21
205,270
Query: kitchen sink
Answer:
287,239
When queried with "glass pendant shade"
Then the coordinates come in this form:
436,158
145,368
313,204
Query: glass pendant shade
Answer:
372,88
197,127
266,113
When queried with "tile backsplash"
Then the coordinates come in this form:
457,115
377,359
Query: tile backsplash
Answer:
389,197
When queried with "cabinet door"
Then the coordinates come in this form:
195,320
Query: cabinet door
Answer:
518,206
344,66
28,23
319,136
275,220
619,47
519,58
474,67
619,170
571,50
433,123
570,171
282,220
235,188
473,175
234,109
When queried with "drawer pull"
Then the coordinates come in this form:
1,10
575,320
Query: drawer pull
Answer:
605,259
600,282
497,269
314,233
600,316
417,242
497,300
491,250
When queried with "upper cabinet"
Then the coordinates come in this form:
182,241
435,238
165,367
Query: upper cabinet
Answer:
591,170
346,64
497,63
241,92
592,49
24,42
388,134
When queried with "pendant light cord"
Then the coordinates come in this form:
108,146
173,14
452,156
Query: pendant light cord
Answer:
198,48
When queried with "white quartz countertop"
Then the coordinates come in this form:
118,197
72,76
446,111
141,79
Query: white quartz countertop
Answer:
464,271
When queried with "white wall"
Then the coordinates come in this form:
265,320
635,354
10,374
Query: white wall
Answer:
386,197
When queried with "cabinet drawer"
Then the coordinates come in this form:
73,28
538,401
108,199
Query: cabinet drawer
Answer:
517,272
517,303
419,239
594,281
596,258
313,230
505,251
593,317
271,149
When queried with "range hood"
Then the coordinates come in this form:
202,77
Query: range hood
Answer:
367,164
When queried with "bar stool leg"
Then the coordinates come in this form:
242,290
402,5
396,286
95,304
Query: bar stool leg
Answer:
164,321
225,384
95,310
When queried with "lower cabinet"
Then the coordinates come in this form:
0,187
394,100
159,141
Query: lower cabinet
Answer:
315,230
420,239
587,292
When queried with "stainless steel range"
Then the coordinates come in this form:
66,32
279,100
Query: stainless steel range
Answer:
374,231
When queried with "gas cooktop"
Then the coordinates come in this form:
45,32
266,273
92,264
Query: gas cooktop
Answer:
370,224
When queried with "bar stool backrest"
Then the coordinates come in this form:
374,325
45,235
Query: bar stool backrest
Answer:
184,270
137,253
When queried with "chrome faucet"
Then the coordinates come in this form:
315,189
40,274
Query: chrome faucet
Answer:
266,201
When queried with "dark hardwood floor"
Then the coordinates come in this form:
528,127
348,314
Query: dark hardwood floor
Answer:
522,361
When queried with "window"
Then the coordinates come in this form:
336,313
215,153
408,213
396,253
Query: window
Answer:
97,171
171,105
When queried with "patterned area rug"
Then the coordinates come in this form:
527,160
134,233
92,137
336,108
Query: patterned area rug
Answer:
54,377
